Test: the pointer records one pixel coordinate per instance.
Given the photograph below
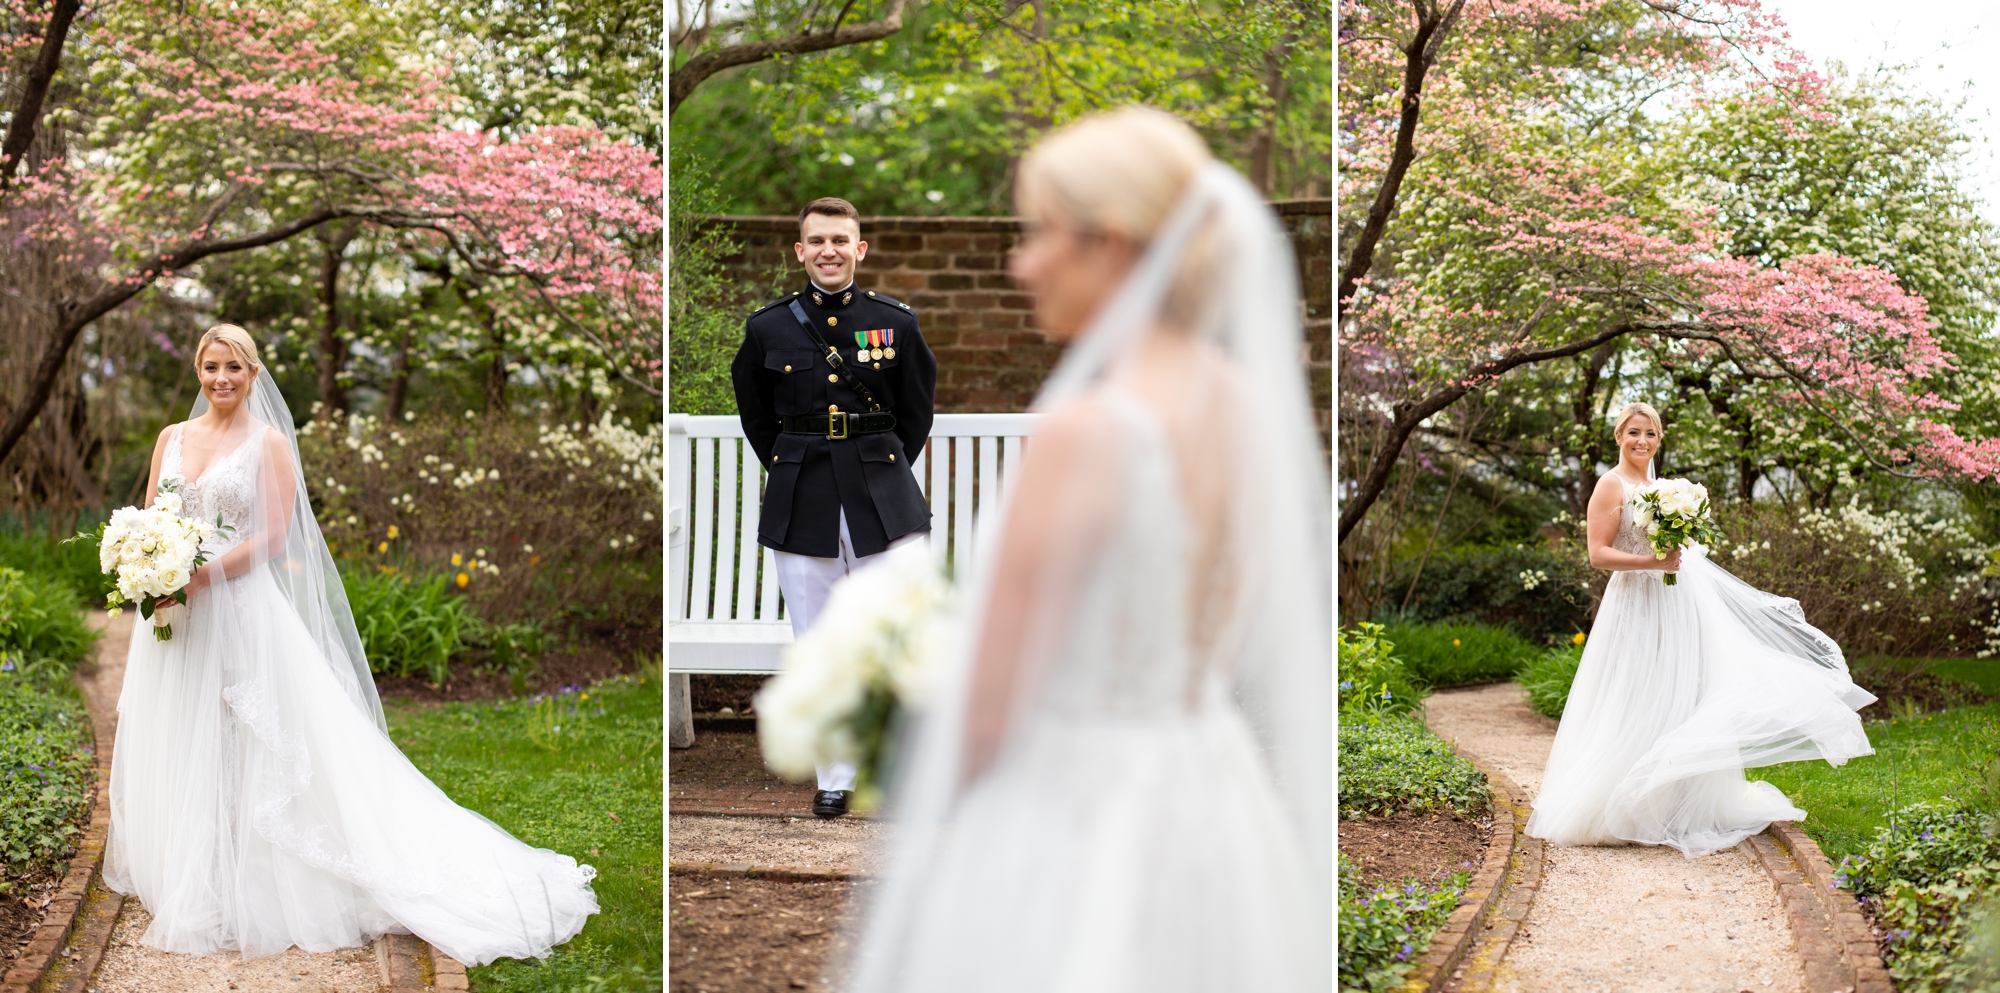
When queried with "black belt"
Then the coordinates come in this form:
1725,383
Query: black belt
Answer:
838,426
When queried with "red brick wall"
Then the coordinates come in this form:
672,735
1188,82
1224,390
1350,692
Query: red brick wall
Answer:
953,272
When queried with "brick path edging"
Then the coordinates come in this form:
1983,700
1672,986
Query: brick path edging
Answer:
751,870
1840,952
61,956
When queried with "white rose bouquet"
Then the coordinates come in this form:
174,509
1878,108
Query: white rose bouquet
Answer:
1674,514
154,553
873,654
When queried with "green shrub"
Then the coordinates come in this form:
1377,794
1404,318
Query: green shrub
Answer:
45,772
1383,930
1548,677
40,624
1372,680
72,562
409,626
1928,878
1446,654
1395,763
1534,589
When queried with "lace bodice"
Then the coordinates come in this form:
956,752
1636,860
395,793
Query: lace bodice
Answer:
227,487
1629,537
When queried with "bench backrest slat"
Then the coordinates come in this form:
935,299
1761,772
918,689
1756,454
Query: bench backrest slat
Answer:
716,570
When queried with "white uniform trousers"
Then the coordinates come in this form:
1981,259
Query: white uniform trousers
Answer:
805,580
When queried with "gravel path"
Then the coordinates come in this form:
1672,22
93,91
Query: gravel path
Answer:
1635,919
845,844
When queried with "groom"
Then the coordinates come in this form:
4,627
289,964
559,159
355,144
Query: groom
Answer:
834,387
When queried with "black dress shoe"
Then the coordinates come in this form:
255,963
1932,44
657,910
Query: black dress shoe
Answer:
829,803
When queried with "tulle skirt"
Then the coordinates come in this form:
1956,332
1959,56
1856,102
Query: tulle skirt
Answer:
255,806
1679,690
1109,854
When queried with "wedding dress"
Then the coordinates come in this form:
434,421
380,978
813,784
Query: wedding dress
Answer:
256,801
1158,814
1679,690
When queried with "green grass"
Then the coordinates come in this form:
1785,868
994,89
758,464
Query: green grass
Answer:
554,770
1922,758
1450,654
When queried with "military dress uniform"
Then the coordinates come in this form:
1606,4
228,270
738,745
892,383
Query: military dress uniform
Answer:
840,488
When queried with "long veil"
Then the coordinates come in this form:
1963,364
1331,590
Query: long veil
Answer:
300,563
1278,641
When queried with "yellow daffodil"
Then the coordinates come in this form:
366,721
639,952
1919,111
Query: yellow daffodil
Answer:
463,578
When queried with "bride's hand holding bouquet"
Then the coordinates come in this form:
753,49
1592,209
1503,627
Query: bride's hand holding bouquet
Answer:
155,554
1674,514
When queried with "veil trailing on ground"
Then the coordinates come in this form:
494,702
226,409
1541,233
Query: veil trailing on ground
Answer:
1222,248
291,546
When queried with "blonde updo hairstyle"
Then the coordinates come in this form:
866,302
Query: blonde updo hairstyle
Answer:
1122,171
1637,409
237,339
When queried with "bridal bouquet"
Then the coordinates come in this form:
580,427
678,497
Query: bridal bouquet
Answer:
873,653
1675,513
154,552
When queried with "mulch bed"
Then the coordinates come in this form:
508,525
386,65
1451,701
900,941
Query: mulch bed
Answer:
601,657
1929,693
19,917
740,935
710,694
1426,846
724,774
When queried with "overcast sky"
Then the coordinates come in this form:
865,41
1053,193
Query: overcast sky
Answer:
1953,47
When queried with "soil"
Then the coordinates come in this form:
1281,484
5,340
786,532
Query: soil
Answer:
21,910
474,678
1425,846
723,773
1897,687
737,935
708,694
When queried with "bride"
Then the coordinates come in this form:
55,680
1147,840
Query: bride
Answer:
257,801
1683,687
1128,783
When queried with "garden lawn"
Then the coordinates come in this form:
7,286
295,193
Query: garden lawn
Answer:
1921,758
579,772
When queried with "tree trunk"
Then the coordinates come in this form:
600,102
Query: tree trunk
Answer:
27,113
682,81
399,377
1264,147
332,350
496,367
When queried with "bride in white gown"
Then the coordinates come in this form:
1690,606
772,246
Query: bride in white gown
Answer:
1683,687
1127,784
256,800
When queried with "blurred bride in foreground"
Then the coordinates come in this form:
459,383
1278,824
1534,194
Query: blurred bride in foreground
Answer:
1127,782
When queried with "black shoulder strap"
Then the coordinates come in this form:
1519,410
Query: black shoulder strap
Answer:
833,357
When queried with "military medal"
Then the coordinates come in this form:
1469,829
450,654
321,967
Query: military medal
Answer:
888,343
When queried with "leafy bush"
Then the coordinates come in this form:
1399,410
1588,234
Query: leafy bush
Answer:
39,621
73,562
409,626
543,522
1395,763
1372,681
1382,931
1928,878
1444,654
45,771
1547,679
1538,591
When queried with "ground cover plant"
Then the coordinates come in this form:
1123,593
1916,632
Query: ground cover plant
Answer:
1547,679
1395,763
577,771
1384,928
45,772
1928,879
1461,652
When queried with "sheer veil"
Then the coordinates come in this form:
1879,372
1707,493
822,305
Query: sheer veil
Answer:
296,554
1276,643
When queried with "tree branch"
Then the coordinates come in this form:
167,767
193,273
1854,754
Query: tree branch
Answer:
73,318
681,82
21,130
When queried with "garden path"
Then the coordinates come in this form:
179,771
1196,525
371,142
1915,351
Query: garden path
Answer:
1635,919
846,845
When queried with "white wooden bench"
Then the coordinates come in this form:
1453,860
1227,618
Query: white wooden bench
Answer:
725,613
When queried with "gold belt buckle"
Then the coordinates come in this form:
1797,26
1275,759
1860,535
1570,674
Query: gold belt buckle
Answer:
839,418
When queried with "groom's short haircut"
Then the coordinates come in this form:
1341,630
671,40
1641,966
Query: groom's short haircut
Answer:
831,207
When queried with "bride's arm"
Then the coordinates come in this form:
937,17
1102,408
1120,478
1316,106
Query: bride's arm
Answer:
277,484
1601,527
1059,510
